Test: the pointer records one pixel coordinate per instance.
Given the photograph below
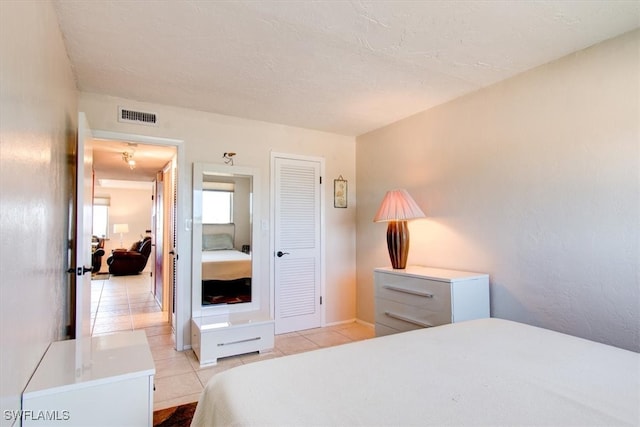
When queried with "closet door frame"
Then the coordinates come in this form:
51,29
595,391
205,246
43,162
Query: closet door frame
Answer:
273,231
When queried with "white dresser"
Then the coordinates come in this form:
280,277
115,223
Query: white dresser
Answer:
421,297
114,389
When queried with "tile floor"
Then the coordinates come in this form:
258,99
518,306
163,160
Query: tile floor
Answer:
126,303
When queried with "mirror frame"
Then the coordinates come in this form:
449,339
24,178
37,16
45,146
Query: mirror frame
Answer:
199,310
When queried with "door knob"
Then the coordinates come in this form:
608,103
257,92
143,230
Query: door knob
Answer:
81,270
280,253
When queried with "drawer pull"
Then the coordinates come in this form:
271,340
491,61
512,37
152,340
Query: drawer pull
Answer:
408,291
238,342
407,319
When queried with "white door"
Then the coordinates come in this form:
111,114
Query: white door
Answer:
158,238
84,224
297,251
171,232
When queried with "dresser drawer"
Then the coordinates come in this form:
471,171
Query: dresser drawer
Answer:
419,297
427,294
403,317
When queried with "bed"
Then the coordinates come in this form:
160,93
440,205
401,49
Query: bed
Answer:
226,272
480,372
225,264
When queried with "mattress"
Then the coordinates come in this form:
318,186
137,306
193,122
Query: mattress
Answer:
225,265
480,372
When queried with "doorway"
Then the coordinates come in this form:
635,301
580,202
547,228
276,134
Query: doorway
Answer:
155,169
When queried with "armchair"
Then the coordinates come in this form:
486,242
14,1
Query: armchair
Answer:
133,261
97,245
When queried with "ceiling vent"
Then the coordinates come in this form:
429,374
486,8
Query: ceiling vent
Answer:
137,117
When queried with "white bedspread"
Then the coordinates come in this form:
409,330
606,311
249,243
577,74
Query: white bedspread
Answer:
225,265
481,372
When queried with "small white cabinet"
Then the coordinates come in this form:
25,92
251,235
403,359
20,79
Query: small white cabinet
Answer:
115,388
422,297
213,337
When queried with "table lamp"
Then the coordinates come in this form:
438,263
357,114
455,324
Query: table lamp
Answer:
121,228
397,207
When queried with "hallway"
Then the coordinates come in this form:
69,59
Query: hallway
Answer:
124,303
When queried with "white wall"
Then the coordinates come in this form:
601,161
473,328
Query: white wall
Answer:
535,181
128,206
38,121
207,136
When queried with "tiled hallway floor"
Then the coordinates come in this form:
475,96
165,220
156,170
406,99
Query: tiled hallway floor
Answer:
125,303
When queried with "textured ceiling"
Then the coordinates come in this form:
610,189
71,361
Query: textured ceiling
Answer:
340,66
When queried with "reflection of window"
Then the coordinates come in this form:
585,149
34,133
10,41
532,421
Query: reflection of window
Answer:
217,207
100,221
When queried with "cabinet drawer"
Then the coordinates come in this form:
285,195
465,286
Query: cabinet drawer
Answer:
404,317
427,294
229,341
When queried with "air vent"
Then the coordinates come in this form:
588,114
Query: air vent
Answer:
137,117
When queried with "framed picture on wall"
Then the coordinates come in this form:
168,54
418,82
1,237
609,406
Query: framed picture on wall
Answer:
339,192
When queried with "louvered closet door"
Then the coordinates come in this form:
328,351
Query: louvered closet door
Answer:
297,238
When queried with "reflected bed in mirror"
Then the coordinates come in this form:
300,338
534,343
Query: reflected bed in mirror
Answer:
226,271
223,264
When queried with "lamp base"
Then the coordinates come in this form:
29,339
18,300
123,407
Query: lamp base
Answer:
398,243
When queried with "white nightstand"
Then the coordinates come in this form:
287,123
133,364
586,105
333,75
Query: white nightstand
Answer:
421,297
115,389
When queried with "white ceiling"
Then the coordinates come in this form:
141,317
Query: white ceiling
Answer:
340,66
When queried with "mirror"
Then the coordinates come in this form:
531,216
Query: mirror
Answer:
224,202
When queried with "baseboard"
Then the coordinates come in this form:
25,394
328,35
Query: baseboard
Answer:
341,322
354,320
362,322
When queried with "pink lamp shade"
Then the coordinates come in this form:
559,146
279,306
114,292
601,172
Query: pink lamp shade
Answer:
397,207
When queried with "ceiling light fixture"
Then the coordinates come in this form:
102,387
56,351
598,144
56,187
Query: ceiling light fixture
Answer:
127,157
228,158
